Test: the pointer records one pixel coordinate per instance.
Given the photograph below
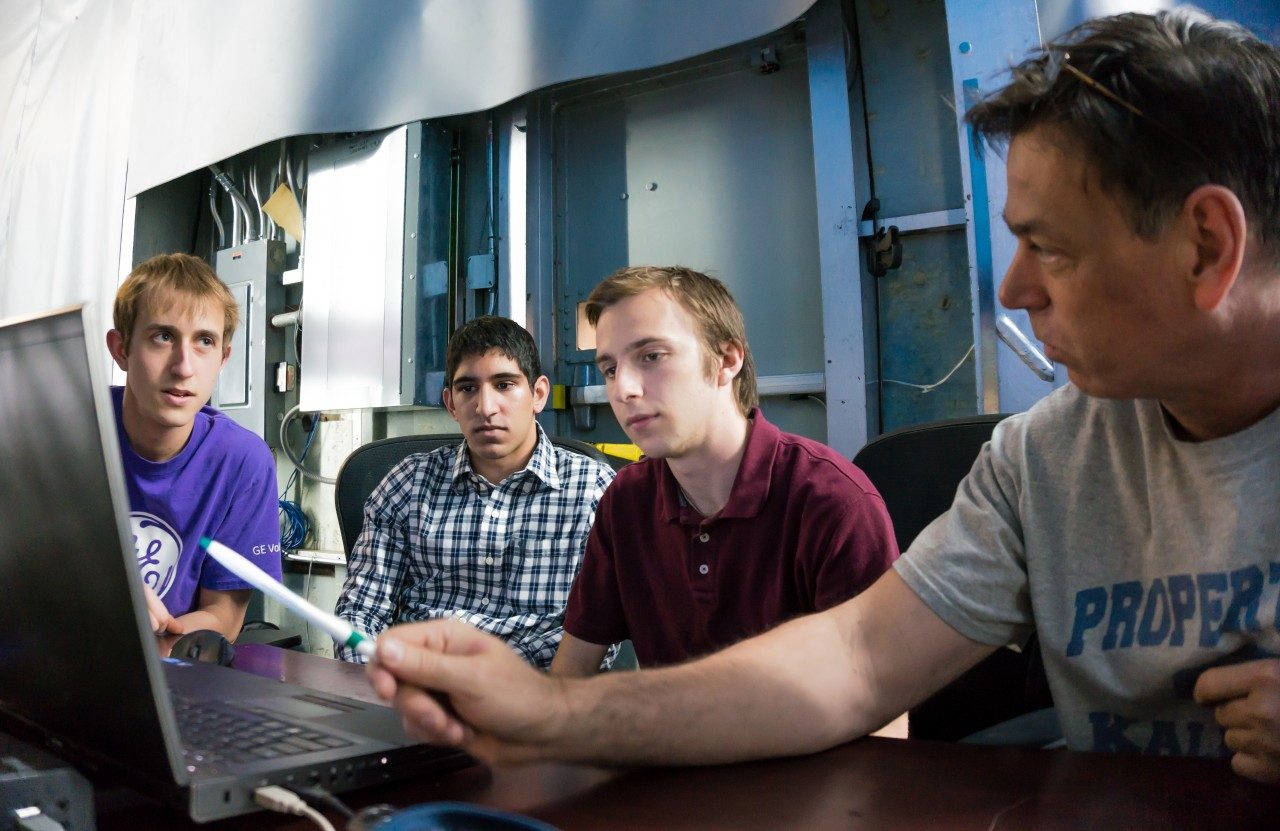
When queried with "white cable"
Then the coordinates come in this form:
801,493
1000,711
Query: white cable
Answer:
317,817
283,801
935,384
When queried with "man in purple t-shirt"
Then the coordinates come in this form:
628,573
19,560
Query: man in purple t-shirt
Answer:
729,526
190,470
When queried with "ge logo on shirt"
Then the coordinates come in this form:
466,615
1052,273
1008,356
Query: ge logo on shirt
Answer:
157,547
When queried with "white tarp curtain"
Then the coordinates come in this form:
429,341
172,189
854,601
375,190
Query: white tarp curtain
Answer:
92,88
66,77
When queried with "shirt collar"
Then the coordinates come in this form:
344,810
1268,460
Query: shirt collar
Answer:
750,485
542,466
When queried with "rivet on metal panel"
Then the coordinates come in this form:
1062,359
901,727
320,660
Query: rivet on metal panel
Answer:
623,197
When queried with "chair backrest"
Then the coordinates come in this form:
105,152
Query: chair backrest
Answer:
369,464
917,470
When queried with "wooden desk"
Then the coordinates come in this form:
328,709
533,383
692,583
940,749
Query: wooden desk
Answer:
871,783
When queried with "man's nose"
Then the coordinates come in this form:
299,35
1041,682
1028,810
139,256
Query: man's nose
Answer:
183,363
487,401
1023,284
626,384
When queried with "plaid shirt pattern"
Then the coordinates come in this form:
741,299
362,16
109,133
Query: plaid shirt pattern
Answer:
439,540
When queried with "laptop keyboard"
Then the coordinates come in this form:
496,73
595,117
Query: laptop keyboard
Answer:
223,733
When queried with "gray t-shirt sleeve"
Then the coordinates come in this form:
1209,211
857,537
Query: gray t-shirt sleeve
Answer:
969,565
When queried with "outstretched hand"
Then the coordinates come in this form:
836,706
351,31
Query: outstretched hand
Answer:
1246,702
455,685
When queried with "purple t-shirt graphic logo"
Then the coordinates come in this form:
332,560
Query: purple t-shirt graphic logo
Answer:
157,547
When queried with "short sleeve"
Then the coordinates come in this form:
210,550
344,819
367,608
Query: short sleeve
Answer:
969,565
251,525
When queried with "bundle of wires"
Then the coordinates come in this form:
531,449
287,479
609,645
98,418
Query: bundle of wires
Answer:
294,525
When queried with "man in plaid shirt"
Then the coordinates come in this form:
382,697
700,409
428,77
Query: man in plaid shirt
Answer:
490,531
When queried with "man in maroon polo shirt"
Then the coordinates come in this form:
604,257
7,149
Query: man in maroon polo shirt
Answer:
729,526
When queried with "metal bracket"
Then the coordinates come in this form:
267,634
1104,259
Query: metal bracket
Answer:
885,253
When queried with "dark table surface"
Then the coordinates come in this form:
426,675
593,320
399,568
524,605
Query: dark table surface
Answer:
870,783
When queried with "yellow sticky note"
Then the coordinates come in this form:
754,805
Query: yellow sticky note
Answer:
284,209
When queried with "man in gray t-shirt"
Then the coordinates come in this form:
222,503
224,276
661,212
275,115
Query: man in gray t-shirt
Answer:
1134,552
1131,517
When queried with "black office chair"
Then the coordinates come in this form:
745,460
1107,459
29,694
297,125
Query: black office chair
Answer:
917,470
369,464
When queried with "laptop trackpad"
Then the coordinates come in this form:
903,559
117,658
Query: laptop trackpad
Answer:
307,707
371,721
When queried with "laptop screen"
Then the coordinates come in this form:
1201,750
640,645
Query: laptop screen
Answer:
76,659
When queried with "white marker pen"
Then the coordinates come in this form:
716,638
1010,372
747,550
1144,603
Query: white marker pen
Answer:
337,628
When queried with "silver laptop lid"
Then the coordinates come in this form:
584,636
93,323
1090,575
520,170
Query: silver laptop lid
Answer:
77,659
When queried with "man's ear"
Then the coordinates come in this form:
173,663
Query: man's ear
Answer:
446,397
1219,236
119,349
226,354
730,364
541,392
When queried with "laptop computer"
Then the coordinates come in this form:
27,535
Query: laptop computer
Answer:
79,668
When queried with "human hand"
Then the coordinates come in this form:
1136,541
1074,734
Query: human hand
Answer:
162,623
455,685
1246,702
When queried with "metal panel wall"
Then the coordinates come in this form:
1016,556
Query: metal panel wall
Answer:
353,274
710,167
925,309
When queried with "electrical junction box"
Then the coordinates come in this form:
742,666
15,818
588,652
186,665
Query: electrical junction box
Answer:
246,390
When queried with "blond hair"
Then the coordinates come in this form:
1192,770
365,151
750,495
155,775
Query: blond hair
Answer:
706,300
168,279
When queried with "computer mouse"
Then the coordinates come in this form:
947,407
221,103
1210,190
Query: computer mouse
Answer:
203,645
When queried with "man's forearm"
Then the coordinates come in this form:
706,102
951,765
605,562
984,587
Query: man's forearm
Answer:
221,611
576,658
805,686
205,619
779,694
